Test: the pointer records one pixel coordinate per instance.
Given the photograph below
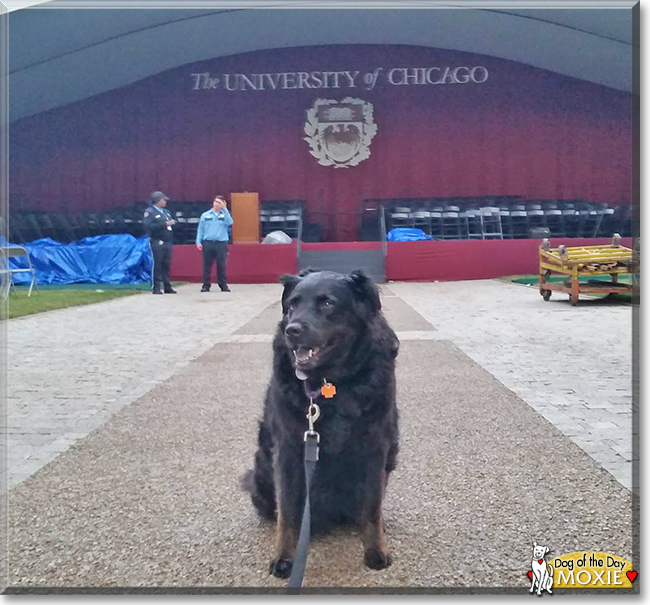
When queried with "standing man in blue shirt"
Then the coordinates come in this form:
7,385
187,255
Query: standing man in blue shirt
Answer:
212,238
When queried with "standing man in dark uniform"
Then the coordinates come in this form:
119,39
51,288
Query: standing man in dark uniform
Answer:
158,223
212,239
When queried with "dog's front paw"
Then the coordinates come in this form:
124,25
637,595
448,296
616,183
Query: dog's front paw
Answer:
376,559
281,568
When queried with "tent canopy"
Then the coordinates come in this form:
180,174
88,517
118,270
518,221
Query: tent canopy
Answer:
61,52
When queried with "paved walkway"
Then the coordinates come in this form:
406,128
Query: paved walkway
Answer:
151,497
69,371
573,365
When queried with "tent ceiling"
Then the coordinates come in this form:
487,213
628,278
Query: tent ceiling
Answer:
59,56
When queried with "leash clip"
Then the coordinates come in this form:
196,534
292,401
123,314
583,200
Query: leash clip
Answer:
313,414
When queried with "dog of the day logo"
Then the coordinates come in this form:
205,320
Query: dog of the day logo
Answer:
586,569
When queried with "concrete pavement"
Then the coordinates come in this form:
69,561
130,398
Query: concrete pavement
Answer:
151,496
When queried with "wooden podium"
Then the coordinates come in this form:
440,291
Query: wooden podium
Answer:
245,211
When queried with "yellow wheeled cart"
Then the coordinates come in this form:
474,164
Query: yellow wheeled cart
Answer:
581,261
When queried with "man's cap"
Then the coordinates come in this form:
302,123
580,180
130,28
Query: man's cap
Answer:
156,196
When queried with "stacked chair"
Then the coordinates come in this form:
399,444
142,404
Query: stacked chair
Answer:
451,218
506,217
281,215
188,215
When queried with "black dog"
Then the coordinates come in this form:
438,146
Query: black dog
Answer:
332,330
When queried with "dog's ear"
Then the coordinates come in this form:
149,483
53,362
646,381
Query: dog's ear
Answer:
534,544
365,291
289,282
546,550
307,272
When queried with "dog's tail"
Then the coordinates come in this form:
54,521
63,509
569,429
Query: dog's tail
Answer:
259,482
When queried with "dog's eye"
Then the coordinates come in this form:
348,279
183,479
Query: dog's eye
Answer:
326,303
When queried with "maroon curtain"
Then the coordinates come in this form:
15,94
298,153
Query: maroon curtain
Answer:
524,131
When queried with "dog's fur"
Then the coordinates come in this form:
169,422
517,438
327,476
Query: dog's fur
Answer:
341,316
542,571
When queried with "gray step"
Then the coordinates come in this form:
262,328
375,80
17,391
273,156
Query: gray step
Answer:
345,261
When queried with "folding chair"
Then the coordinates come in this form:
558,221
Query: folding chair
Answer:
133,220
554,219
94,225
591,216
607,224
454,225
64,232
29,227
119,225
583,210
474,222
421,218
8,274
491,222
519,221
292,221
15,234
45,224
536,218
570,218
624,220
277,220
77,226
400,216
107,222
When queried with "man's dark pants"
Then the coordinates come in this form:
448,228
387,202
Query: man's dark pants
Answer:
215,251
162,260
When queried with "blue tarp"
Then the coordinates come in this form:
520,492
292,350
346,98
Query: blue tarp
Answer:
402,234
105,259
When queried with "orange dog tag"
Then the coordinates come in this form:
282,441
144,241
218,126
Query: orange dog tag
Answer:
328,390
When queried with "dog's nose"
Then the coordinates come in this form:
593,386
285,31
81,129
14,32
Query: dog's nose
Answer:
293,330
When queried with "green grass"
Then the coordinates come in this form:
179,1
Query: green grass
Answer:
533,280
50,298
20,305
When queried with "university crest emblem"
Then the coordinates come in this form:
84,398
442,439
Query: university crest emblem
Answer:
339,132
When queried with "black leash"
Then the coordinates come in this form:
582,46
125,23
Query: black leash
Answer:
312,439
300,560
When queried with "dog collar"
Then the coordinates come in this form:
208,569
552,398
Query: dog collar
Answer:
327,390
311,393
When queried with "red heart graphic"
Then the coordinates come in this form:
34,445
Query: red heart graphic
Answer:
540,561
632,575
530,574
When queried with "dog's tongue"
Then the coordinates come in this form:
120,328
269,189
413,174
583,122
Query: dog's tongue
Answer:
300,375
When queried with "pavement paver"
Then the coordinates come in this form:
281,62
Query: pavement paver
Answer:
571,364
70,370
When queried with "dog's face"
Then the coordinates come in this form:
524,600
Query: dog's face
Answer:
323,315
539,552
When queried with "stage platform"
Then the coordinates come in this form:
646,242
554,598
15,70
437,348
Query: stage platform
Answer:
405,261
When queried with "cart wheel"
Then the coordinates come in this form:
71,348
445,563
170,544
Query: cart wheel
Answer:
546,294
573,301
